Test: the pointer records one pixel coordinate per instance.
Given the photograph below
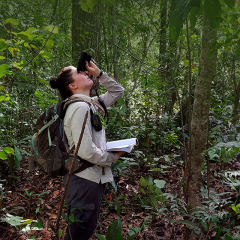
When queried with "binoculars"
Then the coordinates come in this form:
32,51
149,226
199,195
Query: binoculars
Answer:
82,61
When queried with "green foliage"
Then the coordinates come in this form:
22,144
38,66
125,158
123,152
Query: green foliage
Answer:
16,221
230,3
213,12
115,231
151,194
223,154
33,197
179,16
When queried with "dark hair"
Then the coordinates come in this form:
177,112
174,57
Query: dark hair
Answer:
61,83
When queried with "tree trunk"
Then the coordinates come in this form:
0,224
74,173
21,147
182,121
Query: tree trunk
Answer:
86,32
199,125
236,94
105,47
115,41
163,36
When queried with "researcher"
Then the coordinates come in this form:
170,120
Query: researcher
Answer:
86,188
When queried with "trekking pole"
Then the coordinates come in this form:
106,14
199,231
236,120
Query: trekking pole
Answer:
69,175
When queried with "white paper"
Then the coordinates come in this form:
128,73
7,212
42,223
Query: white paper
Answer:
125,145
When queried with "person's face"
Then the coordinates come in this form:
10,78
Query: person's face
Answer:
81,80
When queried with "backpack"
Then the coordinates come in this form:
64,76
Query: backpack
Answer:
49,146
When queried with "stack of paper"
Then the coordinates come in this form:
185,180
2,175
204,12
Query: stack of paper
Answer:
125,145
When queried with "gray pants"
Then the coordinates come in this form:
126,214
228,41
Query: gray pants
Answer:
83,199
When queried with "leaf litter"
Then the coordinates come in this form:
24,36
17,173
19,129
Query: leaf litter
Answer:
132,214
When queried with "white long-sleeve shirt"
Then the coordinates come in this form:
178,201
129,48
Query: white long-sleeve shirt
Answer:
93,145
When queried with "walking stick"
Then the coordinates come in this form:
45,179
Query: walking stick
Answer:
69,175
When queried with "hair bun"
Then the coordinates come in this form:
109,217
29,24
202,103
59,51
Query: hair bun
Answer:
54,83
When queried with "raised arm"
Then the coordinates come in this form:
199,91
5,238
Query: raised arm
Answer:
114,89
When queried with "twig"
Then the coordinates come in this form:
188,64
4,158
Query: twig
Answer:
69,175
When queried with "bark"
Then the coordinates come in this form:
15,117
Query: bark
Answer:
105,47
115,41
163,37
199,125
86,32
54,11
237,94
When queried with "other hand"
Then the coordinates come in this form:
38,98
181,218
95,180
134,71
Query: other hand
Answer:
92,69
120,153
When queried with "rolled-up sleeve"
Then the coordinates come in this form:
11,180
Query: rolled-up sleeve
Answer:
88,150
114,90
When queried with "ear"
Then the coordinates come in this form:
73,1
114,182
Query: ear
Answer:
72,86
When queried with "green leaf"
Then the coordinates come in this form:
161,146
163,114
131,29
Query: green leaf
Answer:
119,209
49,43
160,183
110,228
184,187
228,237
1,57
14,221
142,190
12,21
194,13
118,231
45,54
2,98
26,191
27,222
111,1
213,11
204,225
60,232
218,233
179,16
7,98
18,157
38,224
42,81
3,155
8,150
71,218
3,46
143,182
100,237
51,28
230,3
4,67
64,216
150,181
37,210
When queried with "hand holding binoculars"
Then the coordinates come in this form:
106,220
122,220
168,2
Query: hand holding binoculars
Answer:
82,61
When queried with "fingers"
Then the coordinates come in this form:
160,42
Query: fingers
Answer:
92,69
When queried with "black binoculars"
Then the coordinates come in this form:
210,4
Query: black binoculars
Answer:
82,61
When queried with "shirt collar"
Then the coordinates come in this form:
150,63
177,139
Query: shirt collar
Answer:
82,96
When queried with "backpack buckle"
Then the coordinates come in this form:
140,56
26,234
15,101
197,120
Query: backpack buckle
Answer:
55,117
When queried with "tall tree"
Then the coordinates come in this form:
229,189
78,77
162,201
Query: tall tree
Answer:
115,42
200,118
86,31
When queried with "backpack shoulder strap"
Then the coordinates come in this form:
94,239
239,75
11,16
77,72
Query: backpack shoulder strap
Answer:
89,101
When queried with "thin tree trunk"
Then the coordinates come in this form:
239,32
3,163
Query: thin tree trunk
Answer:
105,46
54,11
199,125
115,41
236,93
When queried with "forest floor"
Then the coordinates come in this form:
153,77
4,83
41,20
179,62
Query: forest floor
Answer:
132,214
